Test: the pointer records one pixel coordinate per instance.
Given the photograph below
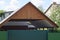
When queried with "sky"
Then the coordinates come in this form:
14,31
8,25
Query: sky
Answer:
11,5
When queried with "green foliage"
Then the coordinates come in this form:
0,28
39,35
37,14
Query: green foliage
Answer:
1,13
55,15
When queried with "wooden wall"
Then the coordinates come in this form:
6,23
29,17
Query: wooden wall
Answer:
28,12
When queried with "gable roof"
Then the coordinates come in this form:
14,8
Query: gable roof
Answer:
7,18
48,8
54,3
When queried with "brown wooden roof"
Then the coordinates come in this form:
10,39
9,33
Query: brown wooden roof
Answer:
29,11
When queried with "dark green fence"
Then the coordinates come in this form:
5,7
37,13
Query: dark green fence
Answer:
3,35
54,36
27,35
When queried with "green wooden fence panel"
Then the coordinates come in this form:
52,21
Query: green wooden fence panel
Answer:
3,35
27,35
54,36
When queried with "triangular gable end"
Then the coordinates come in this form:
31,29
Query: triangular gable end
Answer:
29,11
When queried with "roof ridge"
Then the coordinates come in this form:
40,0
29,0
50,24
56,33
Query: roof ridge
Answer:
23,7
54,3
12,13
15,12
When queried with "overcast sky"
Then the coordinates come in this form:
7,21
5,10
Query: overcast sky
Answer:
9,5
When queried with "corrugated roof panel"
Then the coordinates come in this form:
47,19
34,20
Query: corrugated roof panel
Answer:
35,24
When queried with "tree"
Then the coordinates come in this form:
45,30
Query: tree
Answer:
55,15
1,13
2,16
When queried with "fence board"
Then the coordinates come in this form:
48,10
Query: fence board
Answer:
27,35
